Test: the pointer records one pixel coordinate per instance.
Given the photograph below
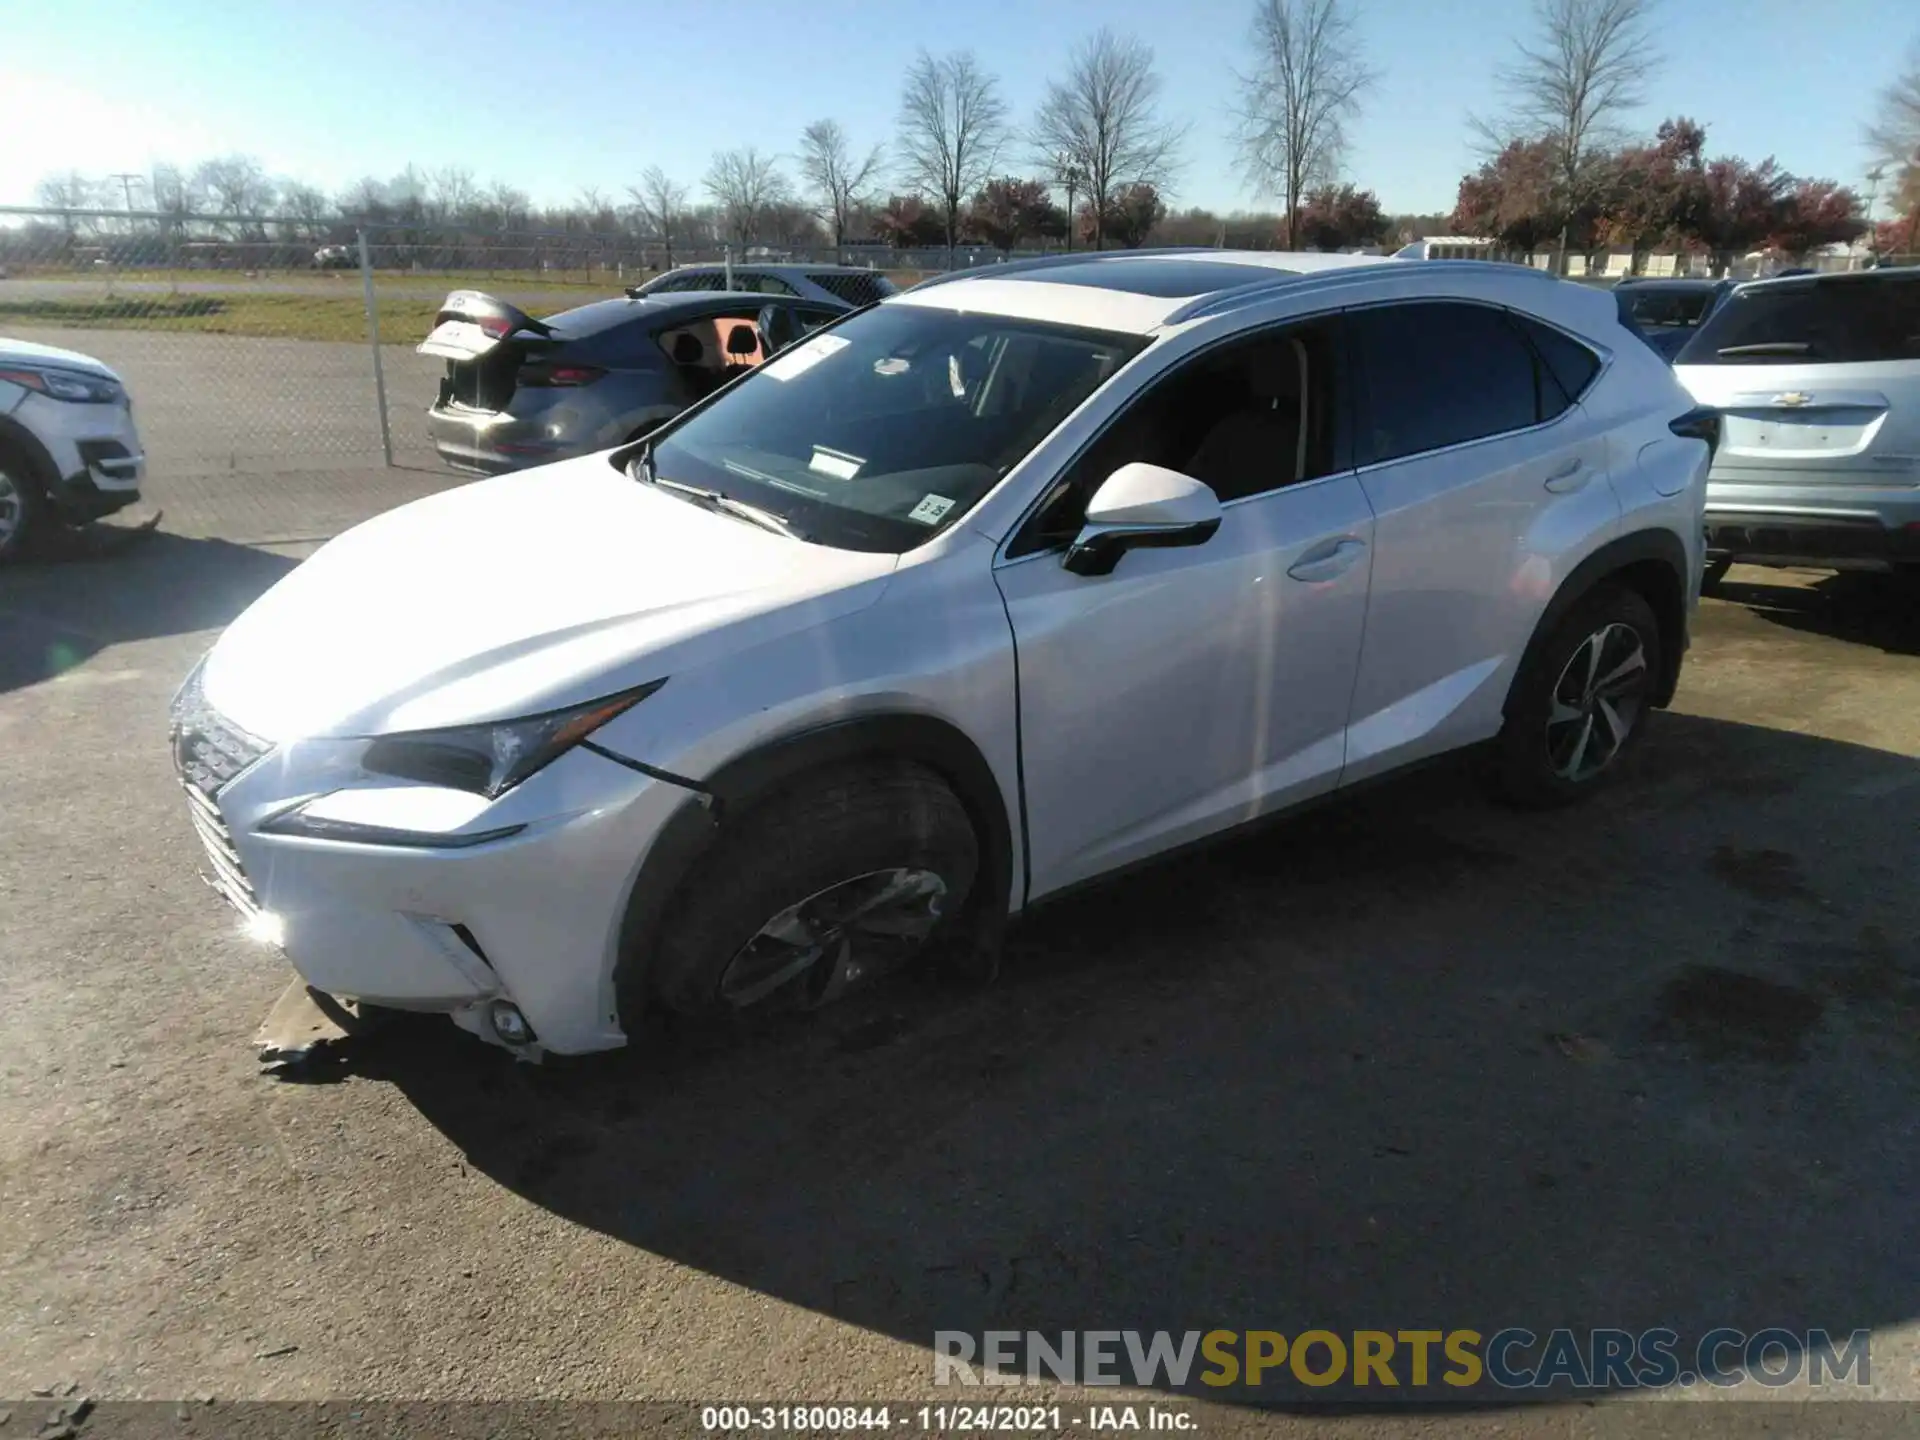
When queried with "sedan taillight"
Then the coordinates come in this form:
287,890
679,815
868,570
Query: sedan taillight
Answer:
557,376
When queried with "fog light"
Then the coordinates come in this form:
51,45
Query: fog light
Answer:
509,1024
267,928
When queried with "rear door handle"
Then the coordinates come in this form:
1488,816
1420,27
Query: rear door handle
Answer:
1324,562
1570,476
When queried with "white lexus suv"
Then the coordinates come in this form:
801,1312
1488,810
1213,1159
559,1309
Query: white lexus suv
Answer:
979,594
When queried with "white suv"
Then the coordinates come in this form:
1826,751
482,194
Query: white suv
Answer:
68,449
977,595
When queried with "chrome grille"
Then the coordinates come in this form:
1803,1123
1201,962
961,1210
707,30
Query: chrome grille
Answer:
208,752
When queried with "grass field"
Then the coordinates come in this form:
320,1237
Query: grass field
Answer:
324,306
286,317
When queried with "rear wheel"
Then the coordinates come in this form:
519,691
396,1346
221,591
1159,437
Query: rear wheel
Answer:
1581,703
21,503
822,888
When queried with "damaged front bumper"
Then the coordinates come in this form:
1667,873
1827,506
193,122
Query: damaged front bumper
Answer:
515,939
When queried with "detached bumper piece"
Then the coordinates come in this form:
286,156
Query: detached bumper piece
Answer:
306,1025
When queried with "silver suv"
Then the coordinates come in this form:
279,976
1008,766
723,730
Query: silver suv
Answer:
1817,379
974,596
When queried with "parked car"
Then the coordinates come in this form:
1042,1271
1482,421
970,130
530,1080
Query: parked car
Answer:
1666,312
848,284
520,391
68,449
1818,378
971,598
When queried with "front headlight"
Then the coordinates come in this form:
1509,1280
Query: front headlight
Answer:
65,384
491,759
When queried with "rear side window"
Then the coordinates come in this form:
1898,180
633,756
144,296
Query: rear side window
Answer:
1568,366
1437,373
1833,322
854,288
759,284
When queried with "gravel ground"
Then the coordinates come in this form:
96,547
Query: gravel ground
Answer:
1407,1061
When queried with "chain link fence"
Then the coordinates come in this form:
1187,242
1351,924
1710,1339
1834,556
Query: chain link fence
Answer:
260,345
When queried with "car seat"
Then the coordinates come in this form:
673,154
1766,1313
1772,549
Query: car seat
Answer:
1260,443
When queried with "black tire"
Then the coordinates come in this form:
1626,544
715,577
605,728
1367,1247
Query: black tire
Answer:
818,845
1715,572
23,503
1540,759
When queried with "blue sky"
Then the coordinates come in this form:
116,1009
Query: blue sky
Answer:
554,95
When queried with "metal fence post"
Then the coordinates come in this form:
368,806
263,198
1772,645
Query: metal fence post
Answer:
373,339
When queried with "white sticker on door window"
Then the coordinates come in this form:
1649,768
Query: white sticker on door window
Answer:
930,509
803,357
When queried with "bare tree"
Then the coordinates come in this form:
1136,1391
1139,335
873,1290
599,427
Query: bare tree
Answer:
306,207
1103,121
1895,137
1308,77
67,191
953,124
840,181
661,200
451,192
510,204
744,183
1587,67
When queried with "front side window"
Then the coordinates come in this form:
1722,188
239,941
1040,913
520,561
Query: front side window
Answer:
1245,418
1839,320
888,428
1440,373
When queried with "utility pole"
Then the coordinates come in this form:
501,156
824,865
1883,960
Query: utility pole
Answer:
127,181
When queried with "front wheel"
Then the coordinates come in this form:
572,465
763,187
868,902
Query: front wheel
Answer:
21,505
1581,703
822,888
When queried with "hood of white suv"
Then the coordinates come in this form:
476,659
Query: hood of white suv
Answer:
26,352
513,596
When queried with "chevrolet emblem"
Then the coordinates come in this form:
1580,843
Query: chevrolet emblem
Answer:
1793,397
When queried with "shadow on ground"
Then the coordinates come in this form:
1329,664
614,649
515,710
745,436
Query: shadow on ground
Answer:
102,587
1408,1062
1858,606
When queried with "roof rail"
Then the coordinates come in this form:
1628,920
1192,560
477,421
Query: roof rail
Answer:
1051,262
1222,301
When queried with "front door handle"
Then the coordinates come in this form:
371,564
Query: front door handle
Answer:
1569,477
1325,562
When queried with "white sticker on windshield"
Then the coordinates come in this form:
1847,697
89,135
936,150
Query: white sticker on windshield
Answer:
835,463
930,509
803,357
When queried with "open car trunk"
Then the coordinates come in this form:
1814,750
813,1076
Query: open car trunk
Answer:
484,341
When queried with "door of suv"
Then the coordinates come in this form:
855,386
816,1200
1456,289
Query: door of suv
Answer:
1482,470
1193,688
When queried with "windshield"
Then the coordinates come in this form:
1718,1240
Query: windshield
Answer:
1675,308
887,429
1837,321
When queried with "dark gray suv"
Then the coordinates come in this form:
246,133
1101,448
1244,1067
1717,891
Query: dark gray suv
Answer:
520,391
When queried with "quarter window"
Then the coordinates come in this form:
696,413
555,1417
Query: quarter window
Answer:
1440,373
1569,366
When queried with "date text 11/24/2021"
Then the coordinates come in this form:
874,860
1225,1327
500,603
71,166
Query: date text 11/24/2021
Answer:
945,1419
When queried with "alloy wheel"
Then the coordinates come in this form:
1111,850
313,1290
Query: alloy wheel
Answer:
1599,698
843,935
12,508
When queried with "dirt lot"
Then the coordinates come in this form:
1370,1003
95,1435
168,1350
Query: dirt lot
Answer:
1403,1062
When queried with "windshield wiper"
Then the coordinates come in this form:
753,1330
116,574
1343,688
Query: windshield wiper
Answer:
727,505
1768,347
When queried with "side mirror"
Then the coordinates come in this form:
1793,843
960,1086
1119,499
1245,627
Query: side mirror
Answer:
1140,505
